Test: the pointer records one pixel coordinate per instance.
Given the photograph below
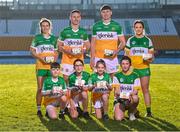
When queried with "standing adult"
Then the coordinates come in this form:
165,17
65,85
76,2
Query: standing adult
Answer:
107,41
73,43
140,49
44,50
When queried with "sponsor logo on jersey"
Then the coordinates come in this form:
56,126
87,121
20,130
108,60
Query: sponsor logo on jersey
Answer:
73,42
45,48
138,51
106,35
126,87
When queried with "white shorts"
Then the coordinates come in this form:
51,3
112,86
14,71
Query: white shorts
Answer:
111,65
67,69
98,104
52,105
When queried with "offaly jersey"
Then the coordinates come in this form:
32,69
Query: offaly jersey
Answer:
128,83
135,48
48,84
72,39
106,37
100,81
44,47
73,78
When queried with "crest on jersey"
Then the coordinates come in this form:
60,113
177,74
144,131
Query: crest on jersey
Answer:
113,28
82,36
133,42
121,79
68,35
145,43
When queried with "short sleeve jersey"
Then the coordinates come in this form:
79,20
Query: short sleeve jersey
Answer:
100,81
95,78
44,47
73,78
72,39
136,47
48,84
127,82
106,37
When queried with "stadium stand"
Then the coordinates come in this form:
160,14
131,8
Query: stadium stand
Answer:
161,18
31,27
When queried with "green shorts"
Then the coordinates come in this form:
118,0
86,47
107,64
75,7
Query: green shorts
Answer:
43,72
143,72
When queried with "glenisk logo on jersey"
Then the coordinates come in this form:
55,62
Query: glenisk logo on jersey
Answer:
73,42
107,35
126,87
45,48
139,51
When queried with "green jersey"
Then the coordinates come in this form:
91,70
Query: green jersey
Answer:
73,40
128,82
49,84
45,47
75,81
136,48
100,82
106,37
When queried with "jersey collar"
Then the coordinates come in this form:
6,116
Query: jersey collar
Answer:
106,23
74,30
129,72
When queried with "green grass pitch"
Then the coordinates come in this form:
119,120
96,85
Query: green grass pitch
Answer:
18,108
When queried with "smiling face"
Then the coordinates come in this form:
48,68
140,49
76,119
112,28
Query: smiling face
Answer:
125,65
45,27
55,72
75,18
78,66
100,68
138,28
106,14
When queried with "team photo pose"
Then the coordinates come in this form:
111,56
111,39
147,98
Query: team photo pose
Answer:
126,94
140,49
44,50
55,93
73,43
78,84
107,40
100,85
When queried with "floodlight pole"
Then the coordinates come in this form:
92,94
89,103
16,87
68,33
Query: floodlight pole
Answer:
165,19
6,19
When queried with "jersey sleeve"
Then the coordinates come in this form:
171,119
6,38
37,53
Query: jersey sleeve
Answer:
87,79
94,31
34,43
128,44
119,31
110,80
115,80
127,48
61,36
64,85
137,84
85,36
150,45
55,44
90,81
